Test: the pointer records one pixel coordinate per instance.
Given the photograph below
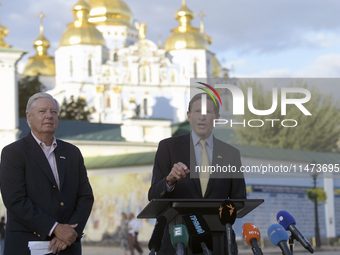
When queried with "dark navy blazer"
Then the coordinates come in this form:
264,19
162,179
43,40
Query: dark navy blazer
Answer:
180,149
32,198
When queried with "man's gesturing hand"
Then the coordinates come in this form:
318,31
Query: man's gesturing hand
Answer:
66,233
179,171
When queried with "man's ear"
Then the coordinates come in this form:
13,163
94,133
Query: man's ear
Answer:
28,116
188,114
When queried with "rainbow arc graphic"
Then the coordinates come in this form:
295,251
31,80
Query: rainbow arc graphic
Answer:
209,93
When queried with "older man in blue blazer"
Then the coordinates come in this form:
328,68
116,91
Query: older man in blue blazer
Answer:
44,185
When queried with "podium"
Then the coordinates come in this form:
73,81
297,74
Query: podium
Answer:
174,209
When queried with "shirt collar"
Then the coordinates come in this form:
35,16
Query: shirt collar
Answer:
209,140
54,143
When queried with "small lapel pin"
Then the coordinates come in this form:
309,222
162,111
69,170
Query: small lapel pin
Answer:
219,156
62,157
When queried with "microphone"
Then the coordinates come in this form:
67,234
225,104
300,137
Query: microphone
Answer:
288,222
227,216
200,237
157,235
251,234
278,236
179,238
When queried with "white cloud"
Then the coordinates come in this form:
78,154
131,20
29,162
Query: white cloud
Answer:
324,66
321,40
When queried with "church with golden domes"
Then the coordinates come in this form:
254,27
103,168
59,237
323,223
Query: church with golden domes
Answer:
105,58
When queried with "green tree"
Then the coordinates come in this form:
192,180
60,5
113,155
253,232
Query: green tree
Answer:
319,132
27,87
75,109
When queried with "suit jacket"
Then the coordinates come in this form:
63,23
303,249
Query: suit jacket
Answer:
177,149
32,198
180,149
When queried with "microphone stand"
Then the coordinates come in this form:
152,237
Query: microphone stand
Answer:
291,243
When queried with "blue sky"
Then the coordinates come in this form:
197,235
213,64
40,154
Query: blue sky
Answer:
253,38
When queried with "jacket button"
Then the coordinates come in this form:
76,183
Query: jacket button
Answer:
34,233
38,235
53,186
62,203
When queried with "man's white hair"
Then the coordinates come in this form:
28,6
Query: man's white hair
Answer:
31,102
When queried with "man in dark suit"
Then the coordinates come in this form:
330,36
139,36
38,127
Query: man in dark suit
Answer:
44,185
177,157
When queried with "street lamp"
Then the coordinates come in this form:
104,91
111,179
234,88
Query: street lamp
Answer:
317,231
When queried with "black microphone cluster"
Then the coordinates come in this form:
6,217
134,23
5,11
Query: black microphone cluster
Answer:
196,233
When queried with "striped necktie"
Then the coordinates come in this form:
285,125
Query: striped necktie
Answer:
204,176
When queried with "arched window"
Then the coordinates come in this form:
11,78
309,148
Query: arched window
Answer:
89,67
107,101
115,57
173,76
144,74
71,67
195,69
208,66
145,106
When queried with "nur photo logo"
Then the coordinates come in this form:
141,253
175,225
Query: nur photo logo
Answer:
238,104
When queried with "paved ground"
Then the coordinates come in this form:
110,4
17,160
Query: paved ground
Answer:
113,250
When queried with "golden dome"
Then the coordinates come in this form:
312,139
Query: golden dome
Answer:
110,12
81,31
3,34
185,36
216,67
41,63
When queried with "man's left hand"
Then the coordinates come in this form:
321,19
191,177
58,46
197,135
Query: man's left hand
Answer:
58,245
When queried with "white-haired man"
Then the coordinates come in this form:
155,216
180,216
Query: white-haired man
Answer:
44,185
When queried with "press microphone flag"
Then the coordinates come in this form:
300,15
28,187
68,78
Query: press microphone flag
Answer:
179,238
227,216
251,234
278,236
288,222
157,235
200,237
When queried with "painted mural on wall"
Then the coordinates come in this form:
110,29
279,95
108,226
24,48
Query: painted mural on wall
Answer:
115,194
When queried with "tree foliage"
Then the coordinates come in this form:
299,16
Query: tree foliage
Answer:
27,87
318,132
75,109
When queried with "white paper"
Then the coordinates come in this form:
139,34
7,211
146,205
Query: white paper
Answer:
39,247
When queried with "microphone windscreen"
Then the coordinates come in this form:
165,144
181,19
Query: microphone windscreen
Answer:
179,234
227,212
157,234
285,219
277,233
249,232
198,231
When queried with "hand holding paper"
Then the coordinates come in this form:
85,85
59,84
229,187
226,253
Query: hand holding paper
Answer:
39,247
